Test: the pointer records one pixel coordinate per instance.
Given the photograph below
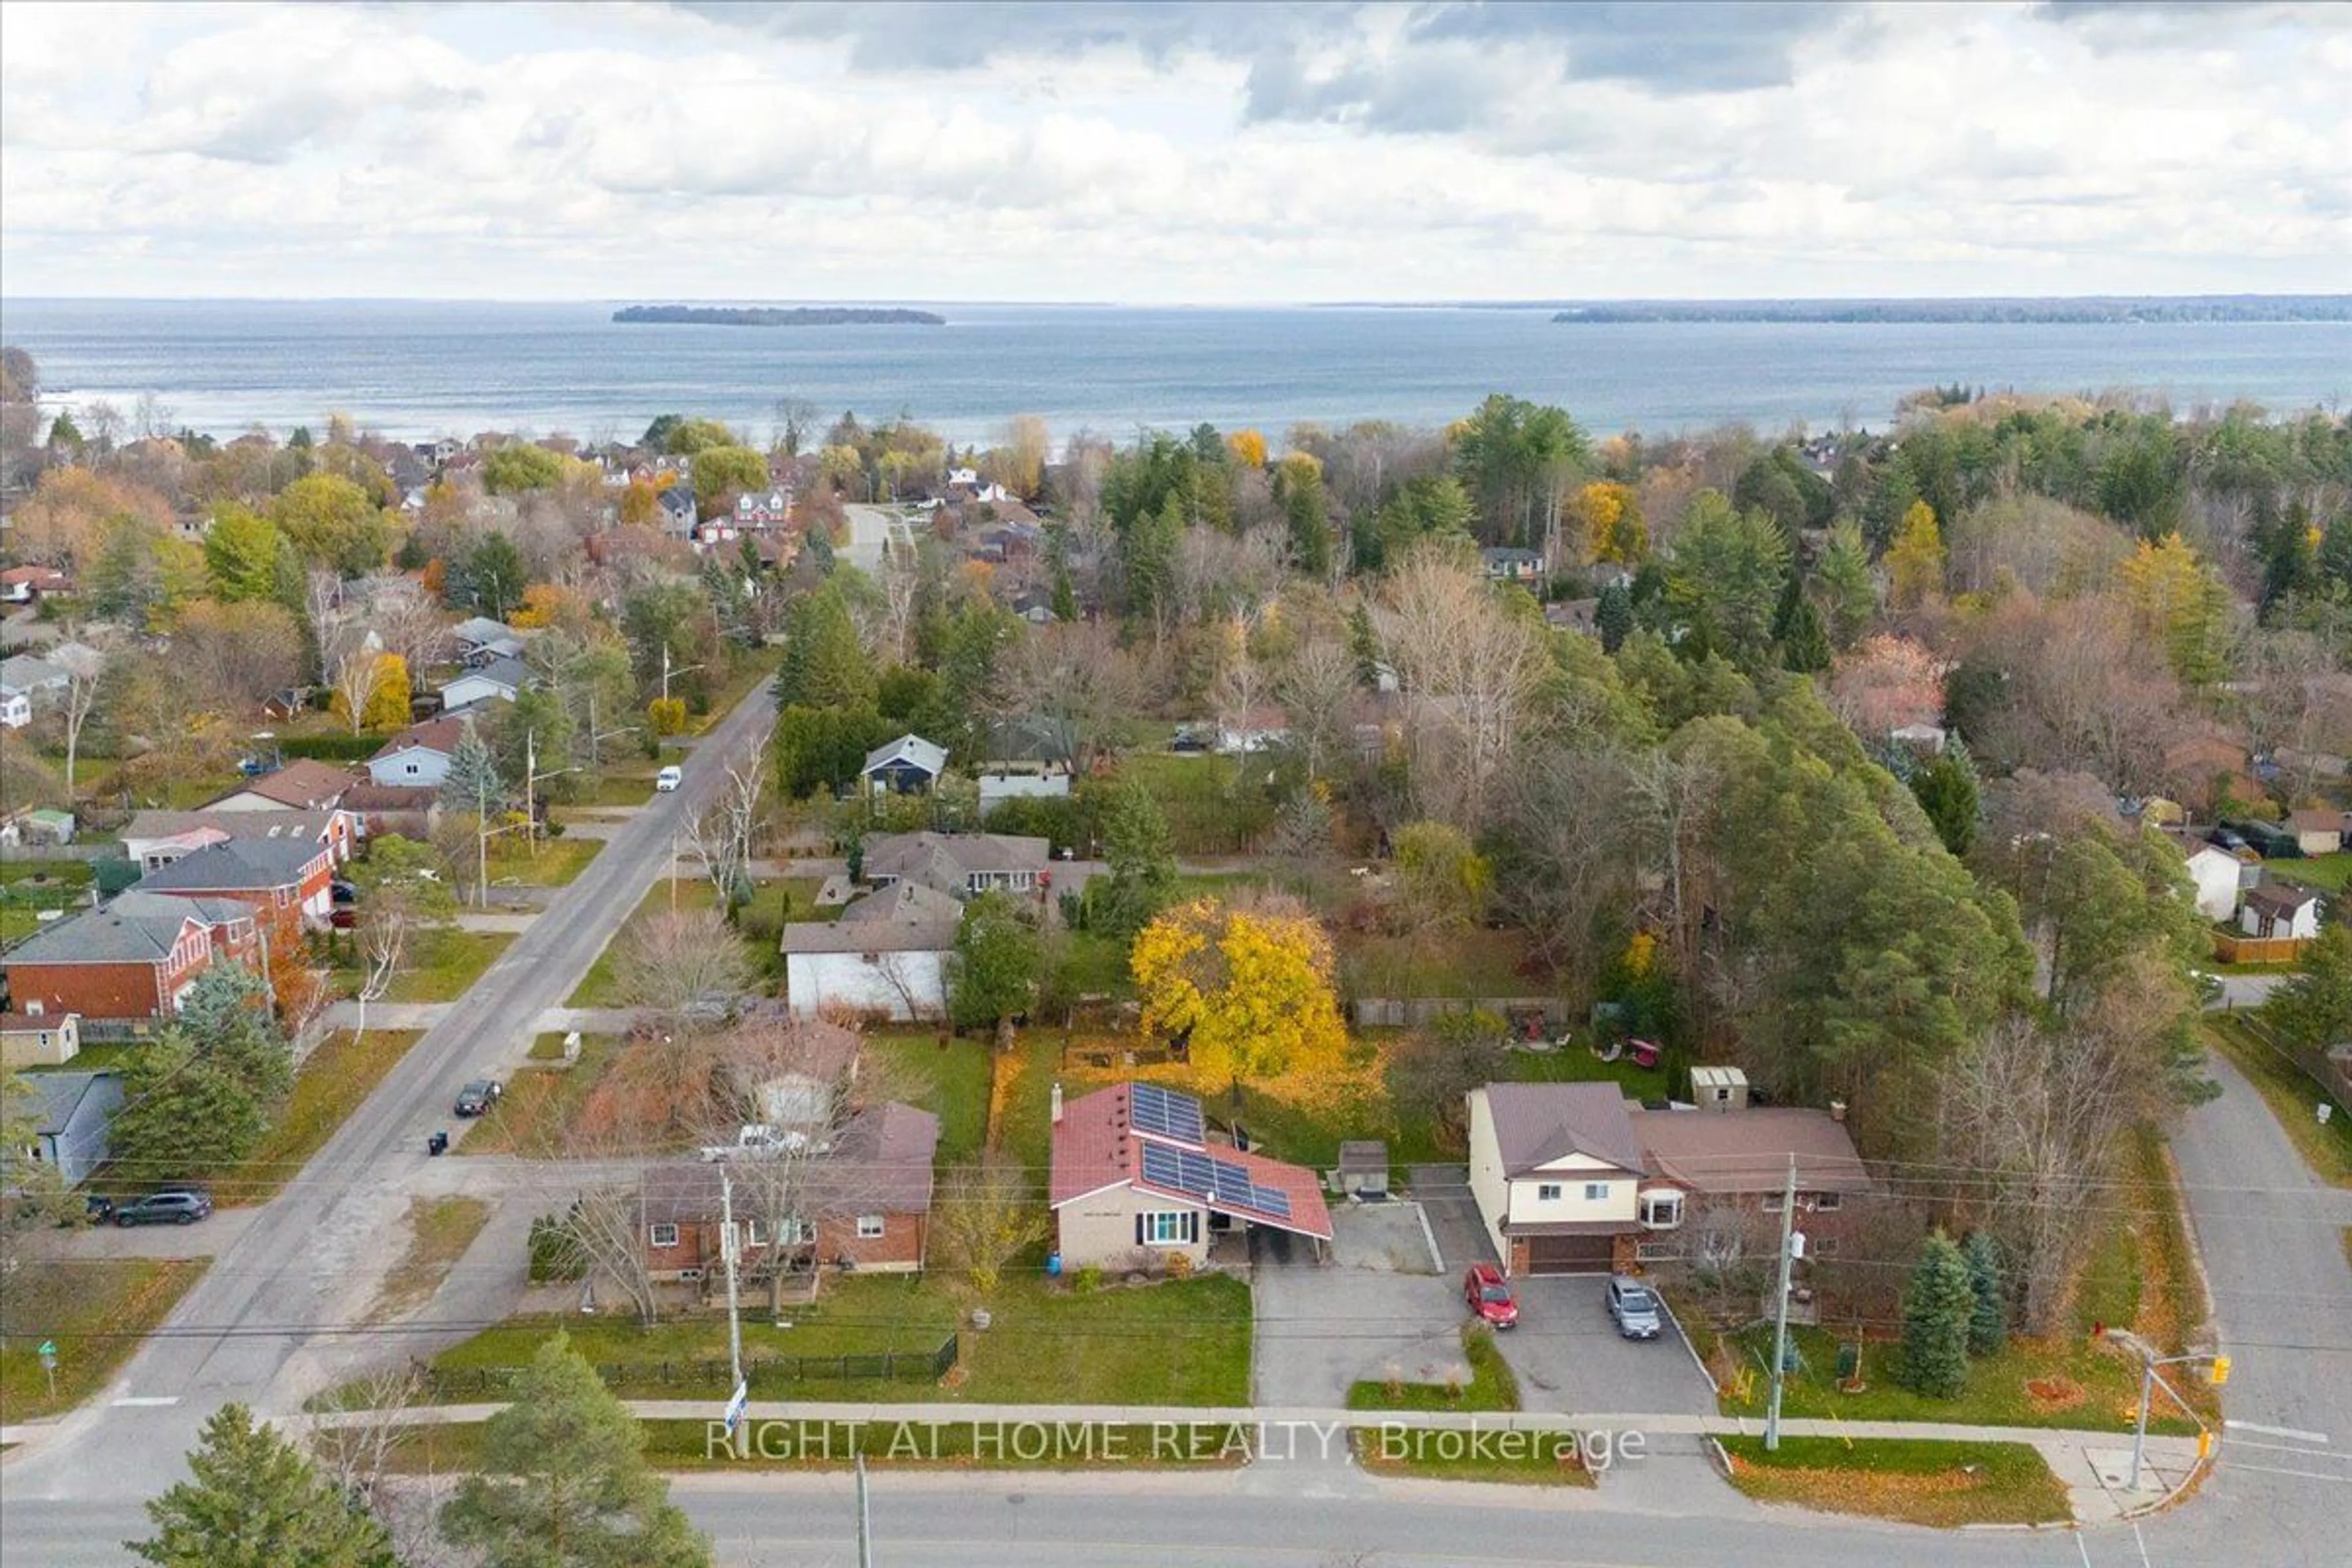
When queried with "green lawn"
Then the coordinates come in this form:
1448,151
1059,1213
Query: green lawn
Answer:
341,1073
610,788
555,862
1512,1458
1943,1485
2294,1098
1492,1385
2327,873
596,988
1477,962
113,1056
540,1103
686,1445
1207,812
28,887
2083,1386
96,1310
1180,1342
951,1082
442,966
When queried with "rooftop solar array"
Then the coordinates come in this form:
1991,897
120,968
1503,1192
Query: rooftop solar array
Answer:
1224,1181
1166,1114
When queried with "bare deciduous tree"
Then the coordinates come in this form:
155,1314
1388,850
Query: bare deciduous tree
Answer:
722,832
685,965
1082,687
986,1215
1467,671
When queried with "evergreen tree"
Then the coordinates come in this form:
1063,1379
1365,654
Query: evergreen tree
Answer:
563,1481
226,1015
1141,855
1306,510
1947,790
1988,1321
473,781
1844,574
1613,617
1065,596
992,974
825,663
257,1501
494,577
1936,1308
1804,645
1148,554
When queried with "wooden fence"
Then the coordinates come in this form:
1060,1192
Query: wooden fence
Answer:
2232,949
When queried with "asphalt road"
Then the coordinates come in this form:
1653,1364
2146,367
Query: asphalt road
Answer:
304,1264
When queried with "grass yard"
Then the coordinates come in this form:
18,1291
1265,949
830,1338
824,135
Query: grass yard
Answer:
442,966
2292,1096
1492,1385
1944,1485
1179,1342
96,1310
1472,963
596,988
331,1084
439,1231
540,1103
748,670
615,789
2069,1384
113,1056
1210,809
951,1082
2327,873
687,1446
30,887
1511,1457
556,862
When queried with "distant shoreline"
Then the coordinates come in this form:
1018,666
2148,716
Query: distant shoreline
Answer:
2111,310
769,316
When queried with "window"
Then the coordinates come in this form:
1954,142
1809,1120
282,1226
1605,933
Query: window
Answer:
1772,1203
1821,1247
1656,1252
1547,1192
1596,1192
1827,1202
662,1235
870,1228
1168,1227
751,1233
1661,1211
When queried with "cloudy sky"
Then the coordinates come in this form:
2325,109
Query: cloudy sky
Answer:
1175,153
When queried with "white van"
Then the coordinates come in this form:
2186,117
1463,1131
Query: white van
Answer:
668,779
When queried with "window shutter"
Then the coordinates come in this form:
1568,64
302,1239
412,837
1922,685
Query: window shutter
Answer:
1139,1230
1192,1227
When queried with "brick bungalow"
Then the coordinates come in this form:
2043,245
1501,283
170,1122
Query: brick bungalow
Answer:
868,1202
132,961
291,881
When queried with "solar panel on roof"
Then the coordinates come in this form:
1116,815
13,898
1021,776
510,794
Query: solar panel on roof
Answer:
1271,1200
1198,1175
1231,1178
1161,1168
1165,1115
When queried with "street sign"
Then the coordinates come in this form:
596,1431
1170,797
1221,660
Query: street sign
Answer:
49,1354
735,1407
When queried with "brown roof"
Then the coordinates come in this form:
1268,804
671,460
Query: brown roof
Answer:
1736,1152
880,1163
31,1023
2271,899
1537,1123
2316,819
1096,1145
435,734
906,917
305,784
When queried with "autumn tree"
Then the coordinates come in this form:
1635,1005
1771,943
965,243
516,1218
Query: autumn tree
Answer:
2180,606
564,1482
1467,670
687,965
1246,987
241,555
333,523
986,1216
722,471
1248,449
240,654
1915,561
1614,528
519,465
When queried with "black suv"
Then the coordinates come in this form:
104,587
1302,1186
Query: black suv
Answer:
476,1098
180,1205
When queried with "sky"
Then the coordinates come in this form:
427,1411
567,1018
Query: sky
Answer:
1209,153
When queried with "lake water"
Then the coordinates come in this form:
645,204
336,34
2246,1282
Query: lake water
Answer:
422,368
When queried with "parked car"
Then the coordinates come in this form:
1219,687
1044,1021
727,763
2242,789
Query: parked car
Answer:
2224,838
98,1208
1634,1307
343,893
345,918
476,1098
668,779
1189,741
1488,1296
182,1206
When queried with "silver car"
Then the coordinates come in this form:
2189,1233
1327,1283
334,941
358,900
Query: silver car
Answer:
1635,1308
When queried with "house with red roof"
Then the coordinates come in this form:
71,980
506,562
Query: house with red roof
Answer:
1136,1180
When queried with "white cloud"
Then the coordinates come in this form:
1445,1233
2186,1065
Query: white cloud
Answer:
1034,152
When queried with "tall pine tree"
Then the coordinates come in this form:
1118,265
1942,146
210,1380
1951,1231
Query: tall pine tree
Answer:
1989,1320
1936,1306
257,1501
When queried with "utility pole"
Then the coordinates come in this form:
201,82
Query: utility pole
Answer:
1780,1308
728,1252
865,1519
482,839
666,671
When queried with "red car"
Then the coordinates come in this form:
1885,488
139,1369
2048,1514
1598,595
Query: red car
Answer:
1489,1294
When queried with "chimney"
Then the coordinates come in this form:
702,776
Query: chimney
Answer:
1837,1110
1056,1102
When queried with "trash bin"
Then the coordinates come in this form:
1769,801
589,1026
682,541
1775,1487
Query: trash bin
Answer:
1053,1265
1849,1360
438,1144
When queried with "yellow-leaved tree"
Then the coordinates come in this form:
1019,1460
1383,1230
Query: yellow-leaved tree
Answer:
387,698
2179,604
1915,561
1247,984
1613,526
1248,447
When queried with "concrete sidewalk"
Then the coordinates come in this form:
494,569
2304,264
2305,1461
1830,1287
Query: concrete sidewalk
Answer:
387,1015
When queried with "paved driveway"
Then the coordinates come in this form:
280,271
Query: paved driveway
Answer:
1571,1358
1444,1194
1323,1327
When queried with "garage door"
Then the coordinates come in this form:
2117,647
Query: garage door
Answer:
1569,1254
